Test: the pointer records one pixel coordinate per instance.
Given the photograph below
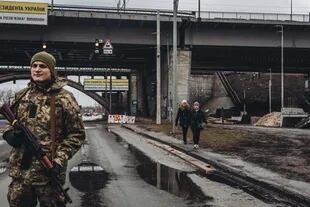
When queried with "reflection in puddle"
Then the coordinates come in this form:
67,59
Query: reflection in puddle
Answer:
3,167
165,178
171,180
89,178
92,199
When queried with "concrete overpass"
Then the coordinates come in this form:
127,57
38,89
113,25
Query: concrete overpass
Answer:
221,41
216,42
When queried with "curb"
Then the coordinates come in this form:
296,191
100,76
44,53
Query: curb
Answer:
236,177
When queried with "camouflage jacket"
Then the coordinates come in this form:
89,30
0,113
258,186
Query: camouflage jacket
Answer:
70,132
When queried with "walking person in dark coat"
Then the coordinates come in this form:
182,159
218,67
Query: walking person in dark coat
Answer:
184,116
197,120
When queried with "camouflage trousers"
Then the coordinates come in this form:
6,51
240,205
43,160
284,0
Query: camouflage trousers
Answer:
21,195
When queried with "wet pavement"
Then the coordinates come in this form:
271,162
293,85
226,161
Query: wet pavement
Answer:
126,170
247,171
190,185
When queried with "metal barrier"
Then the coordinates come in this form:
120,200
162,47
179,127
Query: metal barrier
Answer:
186,13
61,7
254,16
17,68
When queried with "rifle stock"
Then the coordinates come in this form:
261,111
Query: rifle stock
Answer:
31,141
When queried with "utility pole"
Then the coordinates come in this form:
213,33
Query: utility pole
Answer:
199,18
106,84
110,98
175,11
282,69
291,10
282,64
244,107
158,82
270,85
52,8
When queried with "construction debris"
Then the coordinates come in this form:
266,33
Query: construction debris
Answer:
270,120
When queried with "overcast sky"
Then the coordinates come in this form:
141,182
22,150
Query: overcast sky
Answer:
281,6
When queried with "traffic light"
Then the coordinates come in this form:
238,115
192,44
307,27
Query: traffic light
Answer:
98,46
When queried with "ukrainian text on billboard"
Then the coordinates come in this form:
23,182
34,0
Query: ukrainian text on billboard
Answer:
12,12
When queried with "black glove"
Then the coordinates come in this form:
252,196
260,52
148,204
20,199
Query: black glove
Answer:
56,170
14,137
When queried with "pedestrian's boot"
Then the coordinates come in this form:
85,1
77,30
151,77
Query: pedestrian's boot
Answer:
196,146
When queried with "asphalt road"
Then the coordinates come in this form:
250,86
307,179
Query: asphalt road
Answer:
123,186
118,174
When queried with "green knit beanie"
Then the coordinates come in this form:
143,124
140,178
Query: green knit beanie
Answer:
46,58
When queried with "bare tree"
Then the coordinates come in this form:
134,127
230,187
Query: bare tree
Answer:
6,95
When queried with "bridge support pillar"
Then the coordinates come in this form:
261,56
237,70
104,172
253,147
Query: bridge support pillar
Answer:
133,96
182,76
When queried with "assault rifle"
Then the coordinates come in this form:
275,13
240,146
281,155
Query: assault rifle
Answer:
31,141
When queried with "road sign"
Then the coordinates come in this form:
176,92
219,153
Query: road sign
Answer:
107,48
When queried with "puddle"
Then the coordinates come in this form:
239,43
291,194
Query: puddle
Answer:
92,199
88,177
166,178
3,166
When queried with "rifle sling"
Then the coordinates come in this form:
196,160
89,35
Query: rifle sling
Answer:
53,125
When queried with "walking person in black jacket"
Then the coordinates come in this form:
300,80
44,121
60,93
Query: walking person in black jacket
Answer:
184,116
197,120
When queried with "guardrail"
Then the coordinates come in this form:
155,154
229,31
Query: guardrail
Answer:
187,13
14,68
164,12
254,16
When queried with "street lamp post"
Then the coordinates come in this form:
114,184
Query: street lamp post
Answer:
282,70
175,10
199,18
282,65
291,10
158,68
270,85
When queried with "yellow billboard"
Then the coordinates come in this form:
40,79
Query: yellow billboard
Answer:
12,12
104,84
23,7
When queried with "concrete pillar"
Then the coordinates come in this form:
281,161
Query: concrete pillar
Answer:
140,93
164,86
183,69
133,94
184,60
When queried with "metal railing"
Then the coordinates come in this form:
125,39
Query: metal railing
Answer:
78,8
254,16
187,13
16,68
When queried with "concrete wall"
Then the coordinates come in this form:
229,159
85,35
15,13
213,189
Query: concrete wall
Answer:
201,88
209,91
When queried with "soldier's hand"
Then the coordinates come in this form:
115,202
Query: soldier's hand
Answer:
14,137
56,170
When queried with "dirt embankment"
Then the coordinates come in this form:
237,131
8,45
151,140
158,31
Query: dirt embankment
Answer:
288,155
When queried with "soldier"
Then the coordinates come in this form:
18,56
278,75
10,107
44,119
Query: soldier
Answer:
53,115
